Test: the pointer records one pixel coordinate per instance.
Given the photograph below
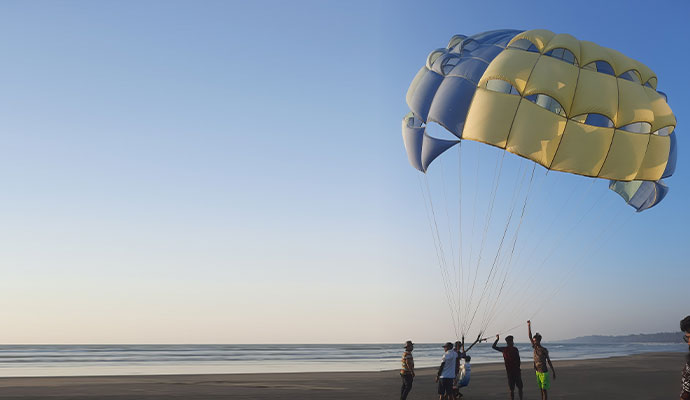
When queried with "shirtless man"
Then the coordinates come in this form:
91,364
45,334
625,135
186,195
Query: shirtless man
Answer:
541,357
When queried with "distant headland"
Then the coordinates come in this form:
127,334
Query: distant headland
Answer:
661,337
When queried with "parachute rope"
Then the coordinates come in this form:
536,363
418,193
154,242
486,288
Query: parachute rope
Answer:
438,245
492,312
461,290
560,215
526,294
512,260
494,270
497,177
557,216
472,235
491,274
528,299
455,268
592,249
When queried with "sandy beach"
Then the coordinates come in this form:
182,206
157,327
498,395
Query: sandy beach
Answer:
644,376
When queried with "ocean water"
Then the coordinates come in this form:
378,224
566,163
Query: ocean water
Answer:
82,360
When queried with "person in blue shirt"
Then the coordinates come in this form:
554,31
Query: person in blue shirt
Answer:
462,377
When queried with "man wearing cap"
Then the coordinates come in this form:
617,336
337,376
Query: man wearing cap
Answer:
541,357
407,370
447,372
511,358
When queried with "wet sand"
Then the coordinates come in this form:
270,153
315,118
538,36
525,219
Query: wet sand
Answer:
645,376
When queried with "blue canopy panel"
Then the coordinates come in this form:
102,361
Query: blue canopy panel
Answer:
413,137
442,91
641,195
672,157
421,148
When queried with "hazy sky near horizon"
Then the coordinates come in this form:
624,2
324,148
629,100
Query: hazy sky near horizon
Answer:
233,172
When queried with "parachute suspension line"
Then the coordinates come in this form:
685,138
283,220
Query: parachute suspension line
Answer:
494,280
447,279
460,249
493,311
493,271
535,188
455,268
582,217
445,198
513,262
558,215
489,213
472,235
510,260
549,191
437,247
504,331
515,255
592,249
446,273
529,298
489,285
473,277
443,265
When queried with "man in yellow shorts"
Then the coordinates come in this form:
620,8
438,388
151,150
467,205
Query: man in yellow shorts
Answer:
541,357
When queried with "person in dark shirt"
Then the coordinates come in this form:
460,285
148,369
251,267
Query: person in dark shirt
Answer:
685,378
461,355
511,358
541,357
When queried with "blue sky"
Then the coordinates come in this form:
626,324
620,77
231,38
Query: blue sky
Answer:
225,172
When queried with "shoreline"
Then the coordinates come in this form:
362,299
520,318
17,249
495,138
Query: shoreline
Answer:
285,366
138,360
641,376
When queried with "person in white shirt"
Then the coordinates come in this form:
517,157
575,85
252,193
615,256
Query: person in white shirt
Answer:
447,372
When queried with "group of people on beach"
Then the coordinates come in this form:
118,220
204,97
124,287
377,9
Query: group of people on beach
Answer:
454,371
454,374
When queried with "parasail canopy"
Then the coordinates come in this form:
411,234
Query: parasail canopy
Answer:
568,105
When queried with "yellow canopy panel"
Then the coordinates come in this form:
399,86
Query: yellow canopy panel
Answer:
574,106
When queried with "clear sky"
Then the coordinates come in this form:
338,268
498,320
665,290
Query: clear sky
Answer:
233,172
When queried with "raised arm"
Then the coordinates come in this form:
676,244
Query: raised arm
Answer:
496,347
479,339
529,331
